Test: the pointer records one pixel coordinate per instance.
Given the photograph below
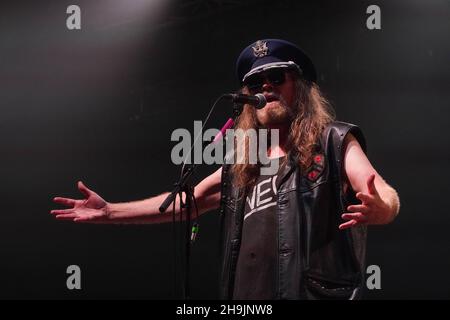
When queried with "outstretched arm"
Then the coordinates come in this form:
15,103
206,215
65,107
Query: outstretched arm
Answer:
380,203
94,209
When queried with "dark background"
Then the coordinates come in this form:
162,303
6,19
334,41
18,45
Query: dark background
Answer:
99,105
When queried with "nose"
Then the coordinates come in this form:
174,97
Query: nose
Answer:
267,86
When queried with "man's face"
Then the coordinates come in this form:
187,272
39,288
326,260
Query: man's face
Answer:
278,86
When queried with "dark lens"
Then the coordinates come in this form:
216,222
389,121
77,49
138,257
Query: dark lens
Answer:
254,83
276,77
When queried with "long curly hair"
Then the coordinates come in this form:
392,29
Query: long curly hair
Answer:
313,113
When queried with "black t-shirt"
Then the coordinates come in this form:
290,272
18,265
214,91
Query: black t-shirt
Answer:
256,274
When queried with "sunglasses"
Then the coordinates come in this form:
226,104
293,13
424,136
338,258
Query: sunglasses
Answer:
275,77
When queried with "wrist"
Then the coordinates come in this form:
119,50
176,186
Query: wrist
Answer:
392,208
108,210
390,205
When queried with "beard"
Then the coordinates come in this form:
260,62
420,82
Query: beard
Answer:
275,113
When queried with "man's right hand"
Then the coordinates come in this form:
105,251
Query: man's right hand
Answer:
91,209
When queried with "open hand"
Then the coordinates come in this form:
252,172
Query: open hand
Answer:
90,209
370,211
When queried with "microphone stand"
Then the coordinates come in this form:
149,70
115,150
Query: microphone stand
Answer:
182,185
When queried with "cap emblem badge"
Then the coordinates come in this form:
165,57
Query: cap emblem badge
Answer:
260,49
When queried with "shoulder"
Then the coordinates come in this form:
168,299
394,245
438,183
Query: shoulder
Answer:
339,133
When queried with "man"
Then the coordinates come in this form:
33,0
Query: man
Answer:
301,232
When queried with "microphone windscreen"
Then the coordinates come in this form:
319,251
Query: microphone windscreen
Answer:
262,101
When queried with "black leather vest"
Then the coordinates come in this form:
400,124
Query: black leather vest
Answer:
316,260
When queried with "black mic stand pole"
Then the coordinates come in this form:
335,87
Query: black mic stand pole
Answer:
183,186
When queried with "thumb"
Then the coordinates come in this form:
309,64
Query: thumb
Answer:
84,190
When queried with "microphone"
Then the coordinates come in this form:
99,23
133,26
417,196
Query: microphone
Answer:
258,100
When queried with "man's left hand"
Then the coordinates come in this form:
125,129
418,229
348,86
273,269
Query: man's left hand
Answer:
372,210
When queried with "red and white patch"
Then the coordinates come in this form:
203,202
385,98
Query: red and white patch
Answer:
316,169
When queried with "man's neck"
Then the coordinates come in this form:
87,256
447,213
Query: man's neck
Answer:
279,150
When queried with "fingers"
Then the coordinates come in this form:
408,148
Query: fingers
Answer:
371,184
84,190
358,208
64,211
358,216
65,201
348,224
365,198
354,219
70,216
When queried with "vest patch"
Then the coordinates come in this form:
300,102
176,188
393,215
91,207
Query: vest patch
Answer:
316,169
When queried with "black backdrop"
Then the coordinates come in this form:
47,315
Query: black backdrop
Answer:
99,105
